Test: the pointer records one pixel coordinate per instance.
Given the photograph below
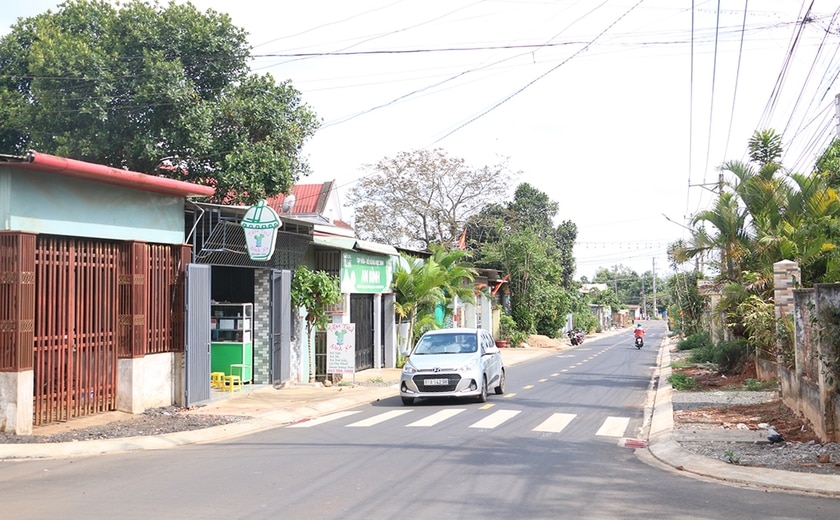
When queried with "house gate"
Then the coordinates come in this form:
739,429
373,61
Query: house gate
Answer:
361,313
75,344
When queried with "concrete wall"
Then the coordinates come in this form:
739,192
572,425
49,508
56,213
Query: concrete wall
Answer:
806,388
58,205
147,382
16,391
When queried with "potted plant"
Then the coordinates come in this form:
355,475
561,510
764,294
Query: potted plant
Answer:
506,328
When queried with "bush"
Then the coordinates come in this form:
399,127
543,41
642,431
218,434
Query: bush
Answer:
681,381
704,354
730,356
700,340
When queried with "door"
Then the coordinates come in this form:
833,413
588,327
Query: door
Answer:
197,331
361,313
281,326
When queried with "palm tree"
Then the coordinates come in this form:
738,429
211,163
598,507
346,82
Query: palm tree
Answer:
421,285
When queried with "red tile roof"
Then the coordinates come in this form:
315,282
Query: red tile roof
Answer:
309,199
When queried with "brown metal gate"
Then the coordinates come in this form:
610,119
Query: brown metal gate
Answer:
75,366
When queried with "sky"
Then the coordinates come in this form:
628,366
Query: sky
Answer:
621,111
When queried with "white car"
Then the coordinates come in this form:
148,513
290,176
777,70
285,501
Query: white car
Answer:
453,363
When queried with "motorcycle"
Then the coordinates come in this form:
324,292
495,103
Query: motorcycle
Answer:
640,342
575,337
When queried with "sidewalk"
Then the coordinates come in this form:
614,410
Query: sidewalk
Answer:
663,448
268,407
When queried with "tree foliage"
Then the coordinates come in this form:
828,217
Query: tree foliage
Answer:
314,291
151,89
422,284
423,197
519,239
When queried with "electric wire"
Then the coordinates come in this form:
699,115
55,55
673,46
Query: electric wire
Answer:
519,91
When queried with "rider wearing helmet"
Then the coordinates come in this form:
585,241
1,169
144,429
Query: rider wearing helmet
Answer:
639,332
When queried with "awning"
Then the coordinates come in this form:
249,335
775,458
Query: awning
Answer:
336,242
373,247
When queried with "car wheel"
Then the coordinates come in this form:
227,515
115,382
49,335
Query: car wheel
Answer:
501,388
408,401
482,397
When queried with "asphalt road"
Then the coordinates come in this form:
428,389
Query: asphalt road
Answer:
551,447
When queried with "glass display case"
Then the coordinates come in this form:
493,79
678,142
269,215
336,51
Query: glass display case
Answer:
231,339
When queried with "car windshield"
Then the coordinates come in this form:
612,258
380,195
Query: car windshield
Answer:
446,344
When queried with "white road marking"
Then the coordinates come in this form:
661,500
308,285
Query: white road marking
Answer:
376,419
555,423
438,417
322,420
613,427
495,419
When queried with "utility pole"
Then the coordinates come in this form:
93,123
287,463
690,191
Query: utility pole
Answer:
654,288
837,113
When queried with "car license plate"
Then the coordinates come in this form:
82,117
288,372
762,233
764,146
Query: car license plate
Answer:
436,382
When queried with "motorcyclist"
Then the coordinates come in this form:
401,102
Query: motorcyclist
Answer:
639,332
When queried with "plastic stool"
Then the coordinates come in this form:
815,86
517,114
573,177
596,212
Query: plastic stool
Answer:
217,379
233,382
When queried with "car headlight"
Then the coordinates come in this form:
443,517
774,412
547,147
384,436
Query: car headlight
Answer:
408,368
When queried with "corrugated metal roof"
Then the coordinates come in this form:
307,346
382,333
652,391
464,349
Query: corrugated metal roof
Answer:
105,174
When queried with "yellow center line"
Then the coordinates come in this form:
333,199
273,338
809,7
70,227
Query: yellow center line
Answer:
555,374
486,406
511,394
543,380
527,387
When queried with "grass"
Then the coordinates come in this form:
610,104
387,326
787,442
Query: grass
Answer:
754,385
681,381
681,364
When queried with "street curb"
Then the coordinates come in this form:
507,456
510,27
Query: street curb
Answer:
261,422
662,447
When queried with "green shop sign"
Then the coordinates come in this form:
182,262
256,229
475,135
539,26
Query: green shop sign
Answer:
361,273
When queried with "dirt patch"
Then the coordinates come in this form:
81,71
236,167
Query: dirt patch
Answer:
539,341
709,378
784,420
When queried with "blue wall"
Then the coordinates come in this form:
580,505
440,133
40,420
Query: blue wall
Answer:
57,205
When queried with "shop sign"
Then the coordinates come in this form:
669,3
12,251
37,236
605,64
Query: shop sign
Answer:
260,224
341,348
367,274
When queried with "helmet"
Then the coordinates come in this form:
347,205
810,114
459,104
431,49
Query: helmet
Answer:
639,325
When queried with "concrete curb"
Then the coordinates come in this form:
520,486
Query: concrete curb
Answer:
662,447
260,422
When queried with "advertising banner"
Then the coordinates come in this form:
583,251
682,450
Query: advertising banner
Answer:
341,348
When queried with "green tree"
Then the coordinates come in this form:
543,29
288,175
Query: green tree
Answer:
687,309
423,197
422,284
162,90
314,291
524,245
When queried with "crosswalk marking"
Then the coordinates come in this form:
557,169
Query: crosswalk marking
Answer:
613,427
555,423
496,418
376,419
438,417
324,419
